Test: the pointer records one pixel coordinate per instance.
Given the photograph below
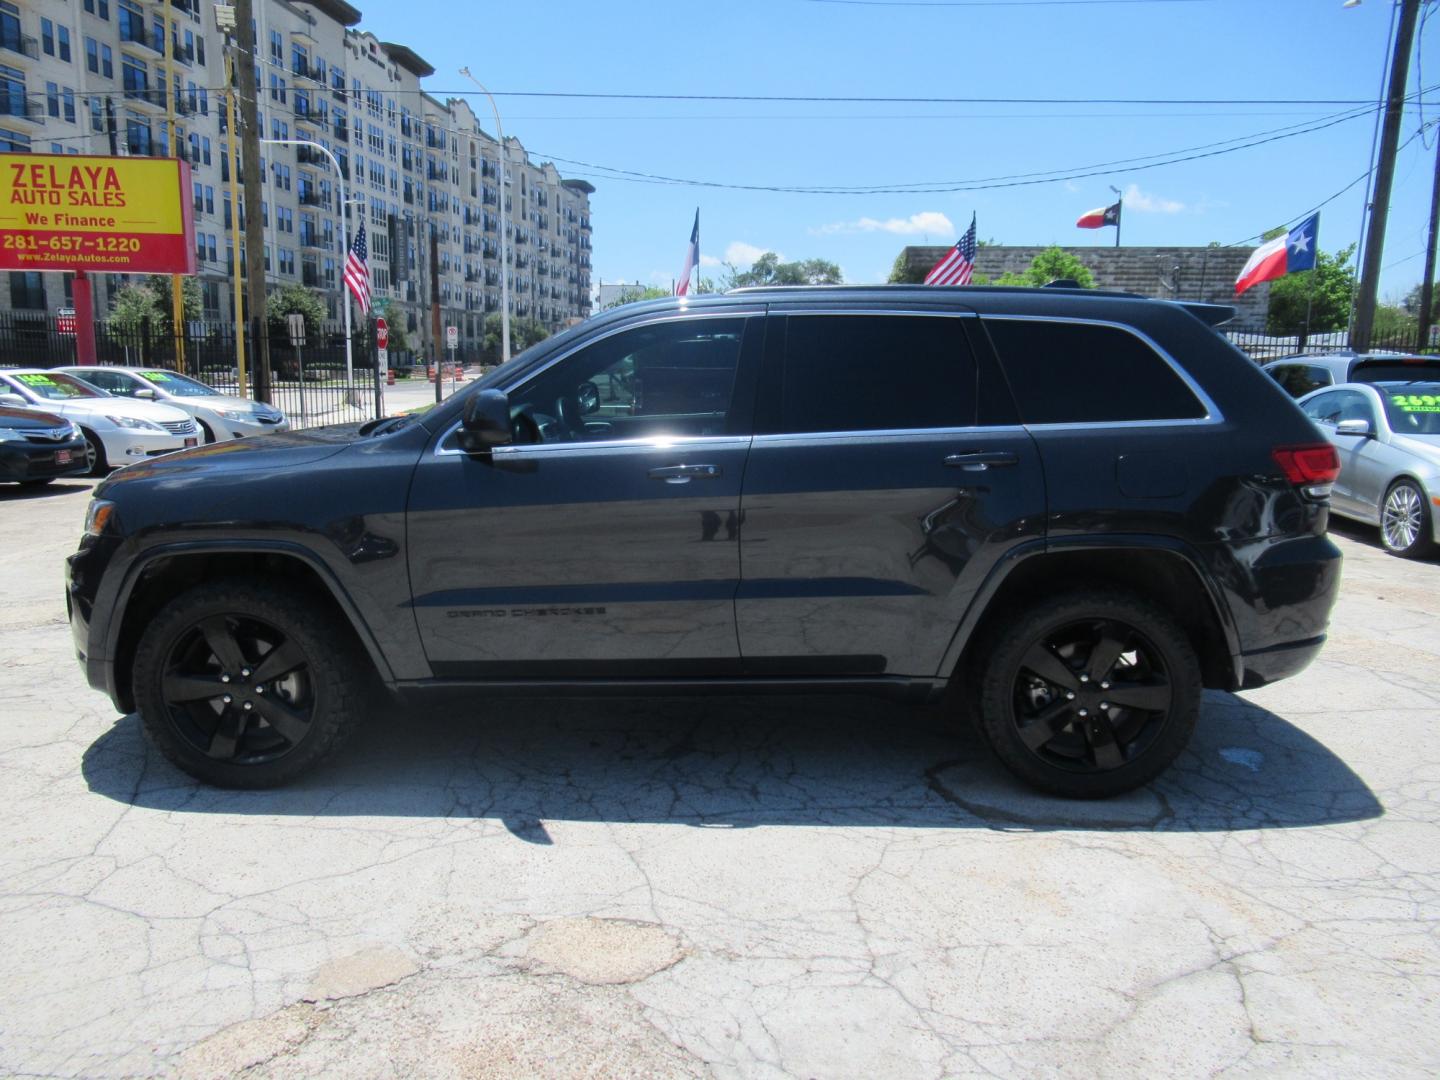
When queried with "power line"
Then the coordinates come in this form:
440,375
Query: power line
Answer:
996,3
894,100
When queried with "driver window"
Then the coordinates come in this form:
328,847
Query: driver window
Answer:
1325,409
672,378
111,381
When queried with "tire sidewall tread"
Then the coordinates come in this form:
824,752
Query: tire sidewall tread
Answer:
994,674
334,668
1423,541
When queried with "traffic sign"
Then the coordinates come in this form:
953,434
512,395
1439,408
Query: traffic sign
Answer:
382,334
296,324
452,337
384,355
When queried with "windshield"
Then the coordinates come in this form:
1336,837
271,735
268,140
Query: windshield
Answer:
53,386
178,385
1412,408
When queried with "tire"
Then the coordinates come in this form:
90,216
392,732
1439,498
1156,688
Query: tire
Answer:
205,430
316,680
1044,671
95,454
1405,527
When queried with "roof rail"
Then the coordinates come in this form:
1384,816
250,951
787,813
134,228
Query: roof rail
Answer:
1210,314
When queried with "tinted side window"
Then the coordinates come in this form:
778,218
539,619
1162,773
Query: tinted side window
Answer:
1066,373
1299,379
669,378
112,381
876,373
1324,409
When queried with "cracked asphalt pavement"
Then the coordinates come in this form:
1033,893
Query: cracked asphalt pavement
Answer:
817,887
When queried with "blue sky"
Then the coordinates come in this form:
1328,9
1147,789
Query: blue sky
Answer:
1191,49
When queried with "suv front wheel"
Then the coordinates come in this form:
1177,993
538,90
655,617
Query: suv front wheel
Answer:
242,685
1088,694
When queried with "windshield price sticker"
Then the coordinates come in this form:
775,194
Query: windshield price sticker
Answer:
1426,403
36,380
157,376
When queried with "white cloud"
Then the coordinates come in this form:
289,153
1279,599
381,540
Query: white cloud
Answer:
743,255
1071,186
710,260
927,221
1147,203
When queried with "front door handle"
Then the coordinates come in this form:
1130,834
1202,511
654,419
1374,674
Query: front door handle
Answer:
683,474
981,460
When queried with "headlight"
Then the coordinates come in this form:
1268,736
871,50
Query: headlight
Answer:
238,414
98,516
133,423
10,434
75,432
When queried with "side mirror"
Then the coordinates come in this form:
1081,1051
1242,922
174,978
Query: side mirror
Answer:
145,394
486,422
14,400
1359,428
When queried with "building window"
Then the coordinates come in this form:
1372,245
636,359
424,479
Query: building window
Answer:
14,142
27,290
137,134
67,97
277,47
12,92
99,8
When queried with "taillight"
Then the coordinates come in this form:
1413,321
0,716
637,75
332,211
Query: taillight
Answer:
1312,468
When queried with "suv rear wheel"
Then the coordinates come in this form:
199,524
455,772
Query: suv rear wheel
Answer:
1089,694
243,686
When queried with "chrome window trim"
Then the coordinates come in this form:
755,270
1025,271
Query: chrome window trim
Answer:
908,434
748,311
526,450
1213,415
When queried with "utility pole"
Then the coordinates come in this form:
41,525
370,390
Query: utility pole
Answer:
177,281
1427,283
1369,288
250,175
435,305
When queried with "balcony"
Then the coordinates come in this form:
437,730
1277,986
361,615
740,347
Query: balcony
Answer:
23,107
435,140
19,43
310,277
147,95
309,155
315,198
134,32
312,238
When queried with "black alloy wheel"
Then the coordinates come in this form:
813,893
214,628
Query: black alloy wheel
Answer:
243,685
1090,694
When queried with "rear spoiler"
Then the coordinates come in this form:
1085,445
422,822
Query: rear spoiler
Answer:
1209,314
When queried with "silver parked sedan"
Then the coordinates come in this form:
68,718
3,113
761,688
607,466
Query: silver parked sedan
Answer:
1388,436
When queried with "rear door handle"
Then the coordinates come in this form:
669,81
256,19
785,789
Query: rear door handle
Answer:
683,474
981,460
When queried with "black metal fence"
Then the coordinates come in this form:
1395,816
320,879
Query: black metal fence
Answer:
1262,347
314,383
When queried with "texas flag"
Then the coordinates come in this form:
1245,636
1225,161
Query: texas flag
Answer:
1288,254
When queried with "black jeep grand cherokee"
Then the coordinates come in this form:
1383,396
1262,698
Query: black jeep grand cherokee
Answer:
1072,510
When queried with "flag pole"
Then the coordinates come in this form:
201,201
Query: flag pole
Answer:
1119,212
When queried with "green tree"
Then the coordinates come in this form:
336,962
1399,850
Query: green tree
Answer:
1324,292
769,270
1052,264
631,293
903,274
134,308
523,334
294,300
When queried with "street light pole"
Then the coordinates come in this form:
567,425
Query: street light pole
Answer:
344,244
504,266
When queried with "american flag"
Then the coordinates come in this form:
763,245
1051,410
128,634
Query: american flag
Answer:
959,262
357,270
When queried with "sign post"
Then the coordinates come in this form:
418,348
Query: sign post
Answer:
86,215
296,324
452,340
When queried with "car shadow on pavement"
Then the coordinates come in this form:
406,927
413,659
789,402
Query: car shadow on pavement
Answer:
741,762
1369,535
19,493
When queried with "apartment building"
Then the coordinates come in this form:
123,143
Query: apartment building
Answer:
89,76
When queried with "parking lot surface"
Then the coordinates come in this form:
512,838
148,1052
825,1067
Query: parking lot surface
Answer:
818,887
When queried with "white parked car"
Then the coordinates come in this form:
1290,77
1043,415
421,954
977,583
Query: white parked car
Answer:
220,416
117,432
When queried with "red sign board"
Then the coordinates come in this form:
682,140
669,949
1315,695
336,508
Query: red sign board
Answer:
65,321
119,215
382,333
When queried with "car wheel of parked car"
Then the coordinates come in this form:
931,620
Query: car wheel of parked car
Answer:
95,454
242,687
1405,521
1089,694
